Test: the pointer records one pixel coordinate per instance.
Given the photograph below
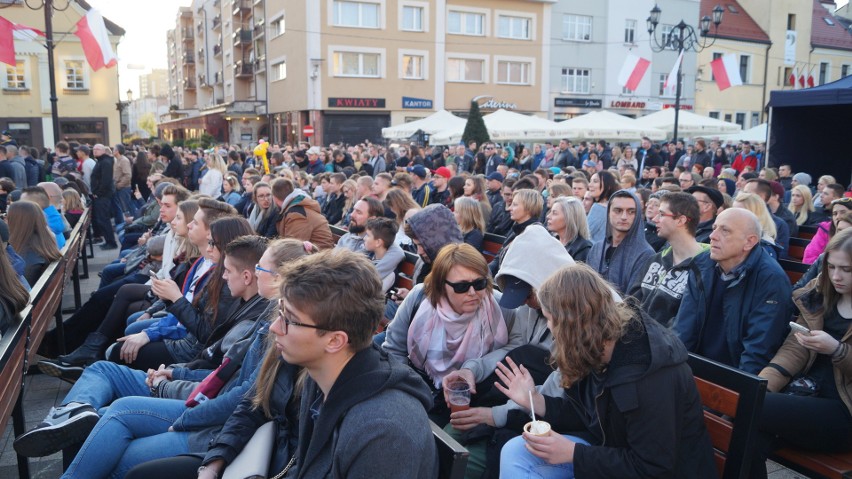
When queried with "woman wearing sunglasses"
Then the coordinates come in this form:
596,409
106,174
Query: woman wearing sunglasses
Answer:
452,318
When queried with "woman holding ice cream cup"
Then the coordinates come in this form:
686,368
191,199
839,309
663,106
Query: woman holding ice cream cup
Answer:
623,401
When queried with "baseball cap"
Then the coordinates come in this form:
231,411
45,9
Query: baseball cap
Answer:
589,164
714,194
418,170
443,171
777,188
496,176
515,291
5,133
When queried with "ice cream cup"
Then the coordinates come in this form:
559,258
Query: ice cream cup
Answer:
537,428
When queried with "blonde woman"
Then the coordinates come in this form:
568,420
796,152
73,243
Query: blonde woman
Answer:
567,220
802,205
350,193
211,182
753,203
468,214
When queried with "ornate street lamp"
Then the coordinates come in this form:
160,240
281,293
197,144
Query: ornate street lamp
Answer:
682,38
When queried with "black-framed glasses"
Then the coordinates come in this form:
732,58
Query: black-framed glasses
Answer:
464,286
258,268
289,322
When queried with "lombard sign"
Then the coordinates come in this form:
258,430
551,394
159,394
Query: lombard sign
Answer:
416,103
491,104
637,105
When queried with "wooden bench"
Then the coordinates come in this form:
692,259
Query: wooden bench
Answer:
807,232
452,456
813,464
794,269
732,402
491,246
797,248
13,363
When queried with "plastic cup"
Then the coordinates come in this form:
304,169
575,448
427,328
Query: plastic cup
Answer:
541,428
458,394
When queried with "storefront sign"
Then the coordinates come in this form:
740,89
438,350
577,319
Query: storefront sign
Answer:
682,106
356,102
416,103
577,102
628,104
491,104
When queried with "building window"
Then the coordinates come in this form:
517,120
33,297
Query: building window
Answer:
279,71
788,72
728,117
741,120
716,56
278,27
576,80
713,114
791,21
630,32
745,68
514,73
356,14
844,71
823,73
75,76
662,83
356,64
577,28
755,119
412,67
466,23
465,70
412,18
16,77
517,28
667,32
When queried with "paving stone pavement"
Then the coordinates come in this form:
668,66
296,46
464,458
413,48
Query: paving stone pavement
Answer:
43,392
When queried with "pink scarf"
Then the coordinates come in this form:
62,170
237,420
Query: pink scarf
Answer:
441,340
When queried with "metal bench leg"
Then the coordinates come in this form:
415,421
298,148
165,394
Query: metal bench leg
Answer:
60,328
85,262
75,281
19,426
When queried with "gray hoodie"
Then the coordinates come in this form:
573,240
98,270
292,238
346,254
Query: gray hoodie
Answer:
435,227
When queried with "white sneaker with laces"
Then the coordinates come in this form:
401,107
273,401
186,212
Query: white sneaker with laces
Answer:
63,427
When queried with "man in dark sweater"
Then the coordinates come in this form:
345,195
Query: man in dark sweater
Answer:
103,189
349,379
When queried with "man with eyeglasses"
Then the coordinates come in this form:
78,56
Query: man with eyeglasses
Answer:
709,202
402,161
686,180
663,281
348,381
494,159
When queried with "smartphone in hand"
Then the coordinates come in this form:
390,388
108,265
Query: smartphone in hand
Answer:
798,328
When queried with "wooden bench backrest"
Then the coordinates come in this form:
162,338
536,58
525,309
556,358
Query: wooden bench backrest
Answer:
405,272
13,349
46,298
452,456
732,401
794,269
807,232
797,248
491,245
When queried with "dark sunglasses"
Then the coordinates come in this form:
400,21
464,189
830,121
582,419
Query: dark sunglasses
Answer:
464,286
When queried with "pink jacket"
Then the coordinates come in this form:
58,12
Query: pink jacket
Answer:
817,244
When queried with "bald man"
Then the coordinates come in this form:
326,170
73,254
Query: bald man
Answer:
735,309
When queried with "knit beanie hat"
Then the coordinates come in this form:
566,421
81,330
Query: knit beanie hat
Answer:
803,178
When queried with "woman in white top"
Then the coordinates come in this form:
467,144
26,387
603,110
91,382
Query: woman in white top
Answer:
211,182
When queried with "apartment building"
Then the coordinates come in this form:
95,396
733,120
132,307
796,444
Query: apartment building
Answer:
154,84
590,42
86,99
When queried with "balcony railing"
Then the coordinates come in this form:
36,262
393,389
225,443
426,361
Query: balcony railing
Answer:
242,36
217,22
242,7
260,63
243,69
187,34
188,58
218,78
217,49
188,84
259,29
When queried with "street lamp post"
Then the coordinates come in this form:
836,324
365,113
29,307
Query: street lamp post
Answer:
683,37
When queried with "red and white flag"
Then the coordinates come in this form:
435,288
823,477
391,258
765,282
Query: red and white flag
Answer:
726,71
802,80
9,32
811,81
632,71
95,39
670,86
793,74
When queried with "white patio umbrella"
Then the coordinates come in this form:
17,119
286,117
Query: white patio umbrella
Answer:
432,124
503,125
689,124
754,134
606,125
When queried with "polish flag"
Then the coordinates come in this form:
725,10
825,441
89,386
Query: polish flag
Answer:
670,86
9,32
811,81
802,80
632,71
793,75
726,71
95,39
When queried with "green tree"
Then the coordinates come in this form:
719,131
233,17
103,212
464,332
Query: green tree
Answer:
475,128
148,124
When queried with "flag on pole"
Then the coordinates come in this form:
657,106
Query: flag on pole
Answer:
726,71
670,86
9,31
632,71
802,80
95,40
793,74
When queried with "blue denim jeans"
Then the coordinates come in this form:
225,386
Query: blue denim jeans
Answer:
134,430
104,381
110,273
138,326
517,463
121,204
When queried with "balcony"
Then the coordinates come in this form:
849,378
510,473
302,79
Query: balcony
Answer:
217,22
217,50
200,55
242,7
187,34
188,84
218,78
200,26
243,70
202,81
242,37
188,59
259,29
260,64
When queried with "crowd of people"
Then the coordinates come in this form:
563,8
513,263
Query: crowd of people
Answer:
231,304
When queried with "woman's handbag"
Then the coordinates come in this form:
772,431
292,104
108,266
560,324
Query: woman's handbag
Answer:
253,461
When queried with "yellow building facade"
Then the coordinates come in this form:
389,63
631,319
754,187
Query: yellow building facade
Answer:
87,100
